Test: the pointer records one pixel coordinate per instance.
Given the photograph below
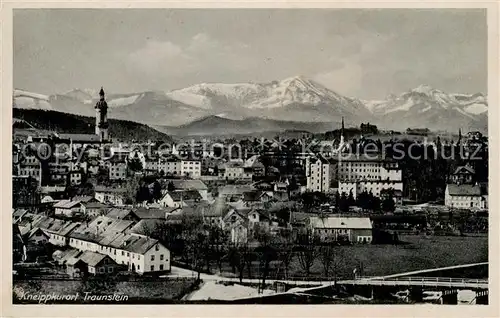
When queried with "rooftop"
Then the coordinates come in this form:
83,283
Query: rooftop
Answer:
152,213
340,222
67,204
187,184
189,195
463,190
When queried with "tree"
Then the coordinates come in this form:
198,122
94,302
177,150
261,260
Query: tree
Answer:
135,164
285,250
238,255
363,200
327,257
195,242
217,239
142,193
102,176
337,200
350,199
331,258
388,204
170,187
344,203
132,188
307,251
265,251
157,195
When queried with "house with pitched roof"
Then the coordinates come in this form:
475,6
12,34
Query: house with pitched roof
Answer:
340,228
109,195
57,230
68,208
186,185
463,175
177,199
86,263
464,196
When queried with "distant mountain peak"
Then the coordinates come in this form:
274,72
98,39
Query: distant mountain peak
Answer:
425,89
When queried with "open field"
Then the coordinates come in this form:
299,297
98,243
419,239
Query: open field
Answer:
419,252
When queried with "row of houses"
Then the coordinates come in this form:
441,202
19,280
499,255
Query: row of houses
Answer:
104,236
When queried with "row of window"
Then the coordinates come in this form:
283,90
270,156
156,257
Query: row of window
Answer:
30,172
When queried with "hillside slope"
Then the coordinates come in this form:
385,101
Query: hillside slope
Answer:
68,123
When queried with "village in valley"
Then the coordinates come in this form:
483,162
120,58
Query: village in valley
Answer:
244,219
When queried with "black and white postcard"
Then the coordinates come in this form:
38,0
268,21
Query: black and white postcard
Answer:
159,156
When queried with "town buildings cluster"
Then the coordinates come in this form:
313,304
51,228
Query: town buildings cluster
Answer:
104,230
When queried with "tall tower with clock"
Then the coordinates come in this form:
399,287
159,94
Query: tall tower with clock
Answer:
101,120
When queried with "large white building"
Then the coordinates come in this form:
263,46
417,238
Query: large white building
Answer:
235,170
180,167
338,228
321,174
368,172
111,237
117,166
464,196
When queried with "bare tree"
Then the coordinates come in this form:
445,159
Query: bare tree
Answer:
327,255
218,240
285,250
266,251
238,255
307,251
195,242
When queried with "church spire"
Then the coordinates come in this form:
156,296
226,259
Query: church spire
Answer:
101,93
342,133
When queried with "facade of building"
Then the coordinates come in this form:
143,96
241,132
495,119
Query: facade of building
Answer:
114,196
235,170
321,174
117,168
68,208
336,228
464,196
180,167
370,173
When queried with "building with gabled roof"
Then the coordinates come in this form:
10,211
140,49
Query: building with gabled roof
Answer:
340,228
465,196
177,199
463,174
68,208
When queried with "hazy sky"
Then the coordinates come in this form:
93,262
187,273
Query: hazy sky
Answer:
362,53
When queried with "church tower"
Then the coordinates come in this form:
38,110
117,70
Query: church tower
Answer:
342,132
101,119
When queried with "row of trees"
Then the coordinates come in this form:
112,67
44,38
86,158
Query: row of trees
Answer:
206,247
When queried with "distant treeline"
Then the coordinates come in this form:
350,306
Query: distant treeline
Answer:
69,123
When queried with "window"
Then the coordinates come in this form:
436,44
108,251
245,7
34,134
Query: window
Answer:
133,255
138,267
161,257
128,254
152,267
110,269
161,267
101,270
123,253
157,247
152,257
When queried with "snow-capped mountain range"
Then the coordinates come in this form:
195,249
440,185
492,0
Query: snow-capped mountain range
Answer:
292,99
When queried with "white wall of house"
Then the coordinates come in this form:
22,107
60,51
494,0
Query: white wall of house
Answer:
464,201
117,170
156,259
191,168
